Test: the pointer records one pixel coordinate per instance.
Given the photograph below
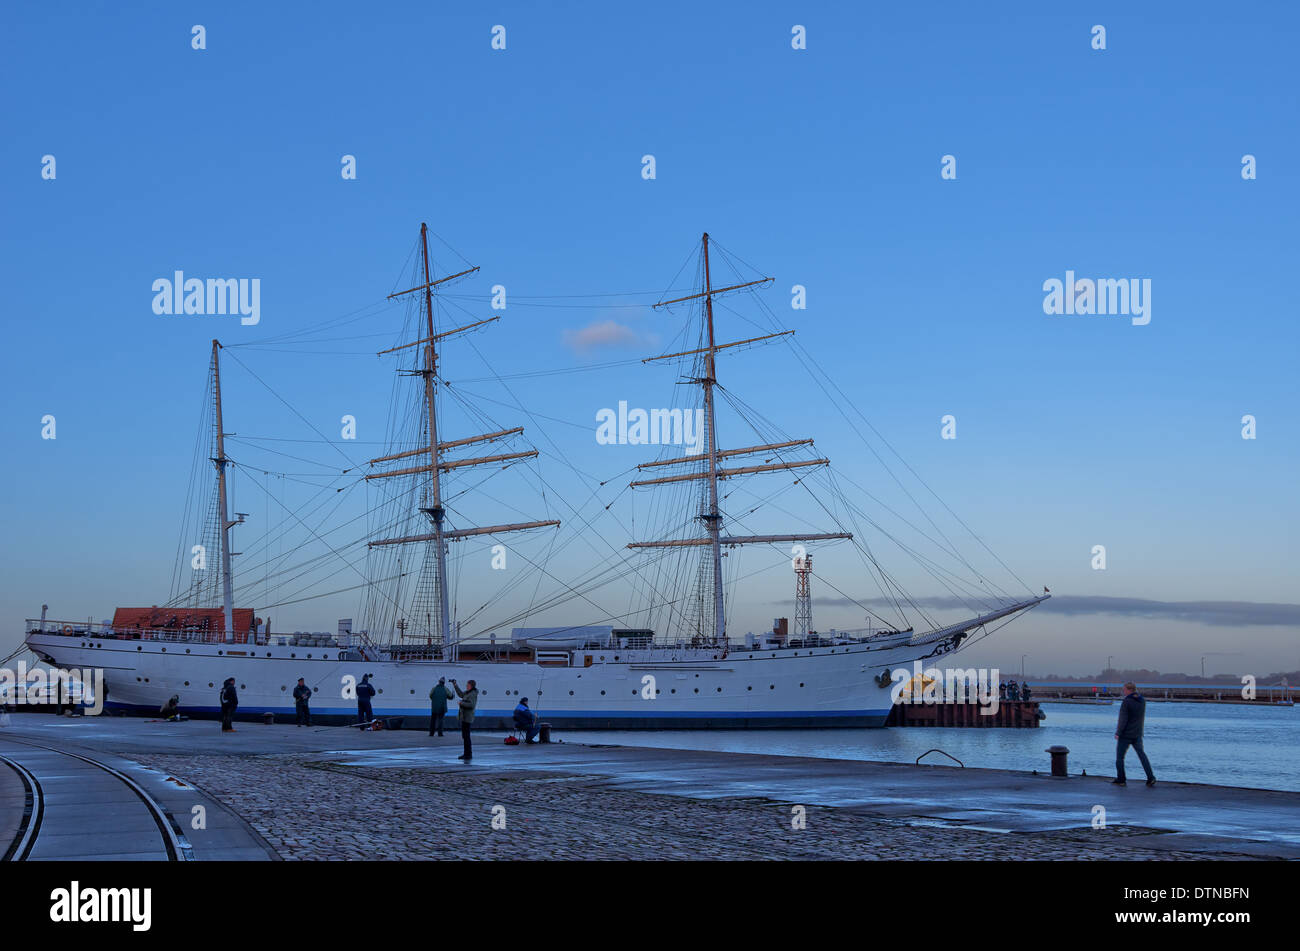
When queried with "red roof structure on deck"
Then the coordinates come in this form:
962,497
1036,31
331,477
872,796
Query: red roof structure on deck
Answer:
167,620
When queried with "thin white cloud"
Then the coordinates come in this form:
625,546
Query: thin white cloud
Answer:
604,335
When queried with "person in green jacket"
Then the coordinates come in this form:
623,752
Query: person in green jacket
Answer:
468,701
438,698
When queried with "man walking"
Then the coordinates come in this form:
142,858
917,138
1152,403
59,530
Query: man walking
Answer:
438,698
468,701
1132,713
365,690
229,703
301,696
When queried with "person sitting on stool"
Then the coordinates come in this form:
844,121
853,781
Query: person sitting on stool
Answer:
526,720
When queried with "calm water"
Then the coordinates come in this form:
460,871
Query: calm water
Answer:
1223,744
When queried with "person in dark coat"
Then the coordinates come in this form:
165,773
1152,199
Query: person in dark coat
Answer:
365,690
468,701
526,720
1132,714
229,703
438,698
301,698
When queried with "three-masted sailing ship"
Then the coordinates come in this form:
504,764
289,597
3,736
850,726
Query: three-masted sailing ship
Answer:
584,675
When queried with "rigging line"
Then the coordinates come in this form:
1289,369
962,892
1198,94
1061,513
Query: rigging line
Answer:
315,353
518,297
744,411
586,522
357,442
327,594
291,408
918,530
323,542
559,371
530,413
264,542
922,560
821,379
372,309
804,359
287,455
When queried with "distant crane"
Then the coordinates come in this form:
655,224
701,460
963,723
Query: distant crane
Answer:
1216,654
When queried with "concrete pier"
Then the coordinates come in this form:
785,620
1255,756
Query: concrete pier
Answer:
315,793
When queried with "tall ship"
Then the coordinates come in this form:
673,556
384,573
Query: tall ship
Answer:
674,662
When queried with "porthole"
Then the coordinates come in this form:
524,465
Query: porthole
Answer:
602,693
309,656
697,689
674,690
719,690
801,685
381,690
602,656
750,687
412,691
219,653
137,680
570,693
187,650
243,686
210,684
139,648
635,691
697,676
146,680
282,688
164,650
187,683
771,686
293,655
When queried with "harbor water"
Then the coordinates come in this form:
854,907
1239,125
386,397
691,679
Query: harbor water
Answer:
1221,744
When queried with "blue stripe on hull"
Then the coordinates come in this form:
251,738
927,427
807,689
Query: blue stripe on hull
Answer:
574,720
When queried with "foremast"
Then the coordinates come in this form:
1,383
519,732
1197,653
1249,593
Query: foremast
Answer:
712,516
436,465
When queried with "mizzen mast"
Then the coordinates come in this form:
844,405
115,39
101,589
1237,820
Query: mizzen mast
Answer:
712,516
220,461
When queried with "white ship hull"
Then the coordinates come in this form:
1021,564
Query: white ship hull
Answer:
831,686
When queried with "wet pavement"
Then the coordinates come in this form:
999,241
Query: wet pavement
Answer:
980,807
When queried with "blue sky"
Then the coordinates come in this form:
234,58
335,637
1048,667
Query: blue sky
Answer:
820,167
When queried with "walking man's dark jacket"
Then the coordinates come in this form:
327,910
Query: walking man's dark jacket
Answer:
1132,714
229,697
439,696
301,693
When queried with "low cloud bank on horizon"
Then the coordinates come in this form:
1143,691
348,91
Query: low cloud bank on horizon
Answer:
1215,613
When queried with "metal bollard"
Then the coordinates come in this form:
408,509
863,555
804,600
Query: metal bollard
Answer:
1059,754
544,732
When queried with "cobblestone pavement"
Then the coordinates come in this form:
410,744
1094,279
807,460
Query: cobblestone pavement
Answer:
308,809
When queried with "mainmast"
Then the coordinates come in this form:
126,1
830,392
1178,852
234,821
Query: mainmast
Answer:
227,587
436,465
712,516
435,511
